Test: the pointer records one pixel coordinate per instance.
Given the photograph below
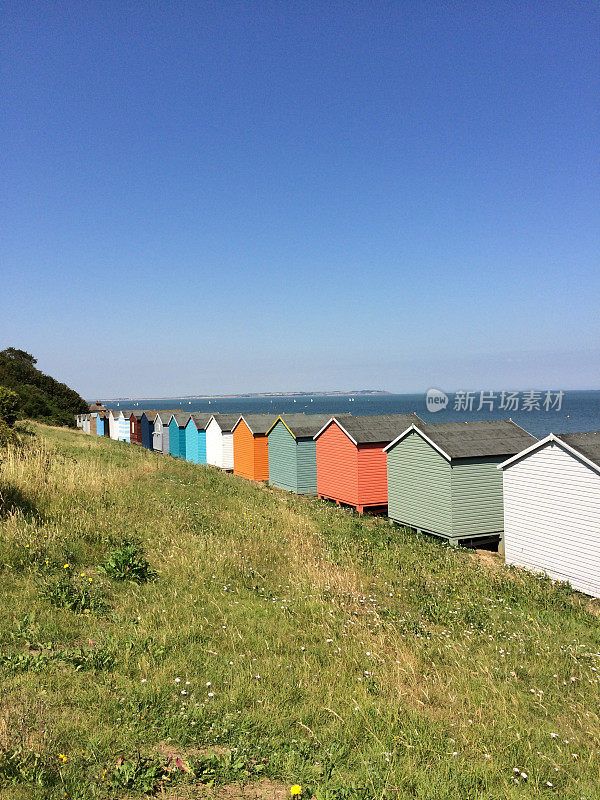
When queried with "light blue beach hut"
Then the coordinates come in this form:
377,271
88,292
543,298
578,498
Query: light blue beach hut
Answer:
100,421
195,438
124,426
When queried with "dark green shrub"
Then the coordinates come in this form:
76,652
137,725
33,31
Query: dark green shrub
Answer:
128,563
9,405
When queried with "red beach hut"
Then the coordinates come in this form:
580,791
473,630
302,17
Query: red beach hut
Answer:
351,464
135,427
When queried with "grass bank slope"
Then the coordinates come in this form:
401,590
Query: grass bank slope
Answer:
269,640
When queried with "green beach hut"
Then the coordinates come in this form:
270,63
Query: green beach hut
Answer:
293,452
443,478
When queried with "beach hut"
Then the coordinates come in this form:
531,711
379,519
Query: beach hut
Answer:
219,440
79,420
160,437
123,426
293,451
100,424
351,463
113,423
93,422
250,446
147,428
552,509
443,478
135,429
177,425
195,437
86,423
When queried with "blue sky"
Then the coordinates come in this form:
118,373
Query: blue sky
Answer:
203,197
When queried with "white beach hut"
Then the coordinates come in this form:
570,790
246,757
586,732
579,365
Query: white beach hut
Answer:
113,427
552,509
219,440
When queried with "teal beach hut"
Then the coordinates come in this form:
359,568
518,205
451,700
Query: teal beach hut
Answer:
195,438
293,451
177,435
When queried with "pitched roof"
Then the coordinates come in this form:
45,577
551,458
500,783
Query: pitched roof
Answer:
258,423
304,425
495,437
165,416
588,444
226,422
375,428
583,445
150,415
200,419
181,418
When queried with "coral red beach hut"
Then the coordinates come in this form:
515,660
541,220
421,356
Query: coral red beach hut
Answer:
351,464
251,447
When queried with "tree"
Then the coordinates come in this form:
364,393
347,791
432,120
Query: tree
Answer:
9,405
20,356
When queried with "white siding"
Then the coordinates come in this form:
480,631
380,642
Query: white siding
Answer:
214,444
86,423
157,435
113,427
552,517
227,450
219,446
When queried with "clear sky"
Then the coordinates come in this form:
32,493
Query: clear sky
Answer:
203,197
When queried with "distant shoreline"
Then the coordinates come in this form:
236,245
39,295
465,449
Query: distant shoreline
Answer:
361,392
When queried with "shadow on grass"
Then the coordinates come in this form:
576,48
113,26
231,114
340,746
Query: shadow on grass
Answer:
12,500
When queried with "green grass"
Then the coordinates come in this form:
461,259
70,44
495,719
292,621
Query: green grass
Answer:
155,608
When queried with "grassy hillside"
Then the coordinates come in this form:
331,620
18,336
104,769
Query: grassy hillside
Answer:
271,640
41,396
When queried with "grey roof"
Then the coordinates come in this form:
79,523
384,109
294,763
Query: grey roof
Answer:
259,423
226,421
306,425
498,437
181,418
201,419
165,416
372,429
588,444
150,415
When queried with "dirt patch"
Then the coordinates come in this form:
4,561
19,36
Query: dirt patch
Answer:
169,750
490,559
263,790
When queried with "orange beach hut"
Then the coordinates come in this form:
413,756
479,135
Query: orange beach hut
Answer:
351,464
250,446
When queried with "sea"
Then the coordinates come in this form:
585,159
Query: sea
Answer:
539,413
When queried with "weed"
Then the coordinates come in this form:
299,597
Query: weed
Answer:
73,594
128,563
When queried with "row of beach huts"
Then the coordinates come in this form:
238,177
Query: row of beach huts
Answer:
470,483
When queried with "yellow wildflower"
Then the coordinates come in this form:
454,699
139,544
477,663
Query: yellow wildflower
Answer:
296,789
66,566
62,757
